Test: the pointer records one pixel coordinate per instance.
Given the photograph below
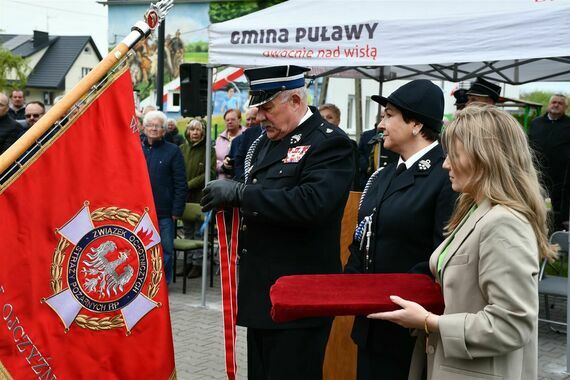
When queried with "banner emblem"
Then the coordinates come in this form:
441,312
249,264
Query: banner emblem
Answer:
105,267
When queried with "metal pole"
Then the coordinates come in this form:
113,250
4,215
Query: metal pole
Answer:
160,67
207,179
358,107
380,87
568,314
324,90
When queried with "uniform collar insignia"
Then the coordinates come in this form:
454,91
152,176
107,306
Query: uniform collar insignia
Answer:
296,138
424,165
329,130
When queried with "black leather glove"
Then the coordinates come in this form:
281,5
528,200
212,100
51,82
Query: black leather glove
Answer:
222,193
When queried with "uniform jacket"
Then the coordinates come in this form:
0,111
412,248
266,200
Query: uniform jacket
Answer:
551,141
409,215
291,214
490,288
167,178
10,131
195,161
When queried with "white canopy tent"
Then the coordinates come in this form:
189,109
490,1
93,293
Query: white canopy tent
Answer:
509,41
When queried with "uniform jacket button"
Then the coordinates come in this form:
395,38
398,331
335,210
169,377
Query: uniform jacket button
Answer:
244,228
254,180
244,251
255,213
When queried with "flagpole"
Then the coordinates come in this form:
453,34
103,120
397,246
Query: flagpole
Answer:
141,30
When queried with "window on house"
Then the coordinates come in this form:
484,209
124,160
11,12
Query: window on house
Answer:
85,71
48,98
173,101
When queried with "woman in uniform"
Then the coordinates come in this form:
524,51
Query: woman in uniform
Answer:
402,215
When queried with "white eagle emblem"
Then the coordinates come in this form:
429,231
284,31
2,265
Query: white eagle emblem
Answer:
104,271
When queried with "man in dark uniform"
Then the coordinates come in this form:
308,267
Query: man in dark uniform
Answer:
549,135
297,178
483,91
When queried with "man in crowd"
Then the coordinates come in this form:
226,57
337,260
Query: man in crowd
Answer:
168,181
292,202
173,134
483,91
10,130
17,105
241,144
550,137
331,113
33,111
461,98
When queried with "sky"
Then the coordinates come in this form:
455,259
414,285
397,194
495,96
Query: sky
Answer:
87,17
58,17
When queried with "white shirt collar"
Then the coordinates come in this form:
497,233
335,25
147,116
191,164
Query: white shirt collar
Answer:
308,114
416,156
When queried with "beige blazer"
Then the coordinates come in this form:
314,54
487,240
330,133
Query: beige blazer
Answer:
489,280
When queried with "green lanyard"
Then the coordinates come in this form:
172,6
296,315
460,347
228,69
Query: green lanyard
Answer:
443,253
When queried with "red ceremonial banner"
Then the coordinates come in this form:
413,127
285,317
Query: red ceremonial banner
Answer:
82,290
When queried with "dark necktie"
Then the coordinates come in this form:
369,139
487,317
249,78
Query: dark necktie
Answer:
401,168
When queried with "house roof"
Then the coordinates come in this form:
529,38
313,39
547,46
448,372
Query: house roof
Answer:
54,65
23,45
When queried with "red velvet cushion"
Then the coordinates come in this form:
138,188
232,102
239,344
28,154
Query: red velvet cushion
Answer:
303,296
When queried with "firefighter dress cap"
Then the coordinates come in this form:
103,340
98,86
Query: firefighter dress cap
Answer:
267,82
422,99
482,87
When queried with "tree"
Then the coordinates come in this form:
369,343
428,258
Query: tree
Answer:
13,71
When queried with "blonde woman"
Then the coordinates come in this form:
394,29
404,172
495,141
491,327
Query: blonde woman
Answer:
488,265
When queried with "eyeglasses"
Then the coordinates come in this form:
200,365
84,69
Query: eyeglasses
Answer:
33,115
151,126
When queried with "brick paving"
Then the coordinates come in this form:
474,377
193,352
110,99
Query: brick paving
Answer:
198,340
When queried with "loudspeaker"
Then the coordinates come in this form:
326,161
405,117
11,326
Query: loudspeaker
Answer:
193,89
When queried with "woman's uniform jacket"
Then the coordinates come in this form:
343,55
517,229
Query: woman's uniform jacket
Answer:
409,214
490,288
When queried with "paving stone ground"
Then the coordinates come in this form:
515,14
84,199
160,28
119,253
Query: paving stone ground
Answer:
198,339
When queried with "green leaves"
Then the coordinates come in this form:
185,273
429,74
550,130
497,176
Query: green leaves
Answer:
14,71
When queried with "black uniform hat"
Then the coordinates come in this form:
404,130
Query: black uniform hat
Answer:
460,96
422,99
267,82
482,87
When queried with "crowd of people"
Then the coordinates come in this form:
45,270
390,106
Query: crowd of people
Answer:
460,203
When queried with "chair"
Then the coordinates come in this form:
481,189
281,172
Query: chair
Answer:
192,214
553,280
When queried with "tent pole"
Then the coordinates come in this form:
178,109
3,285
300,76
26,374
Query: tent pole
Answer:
206,180
160,67
358,107
324,90
380,89
567,316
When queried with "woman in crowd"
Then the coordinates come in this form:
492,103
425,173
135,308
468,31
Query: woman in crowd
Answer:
402,215
489,263
194,152
224,165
